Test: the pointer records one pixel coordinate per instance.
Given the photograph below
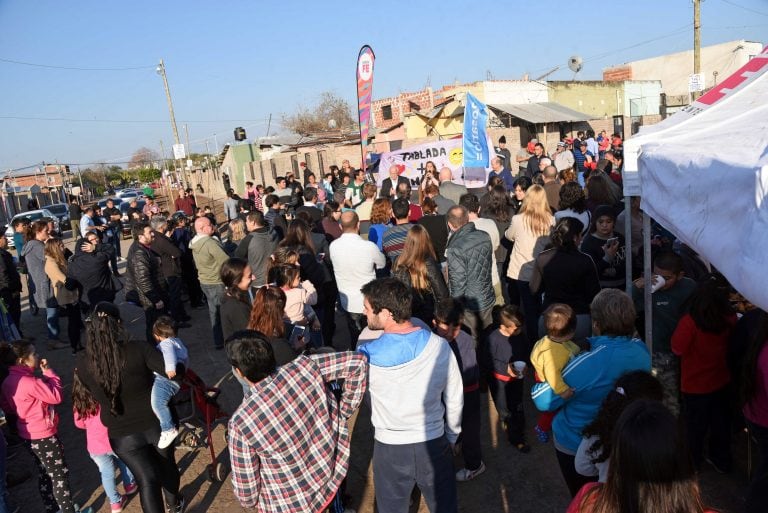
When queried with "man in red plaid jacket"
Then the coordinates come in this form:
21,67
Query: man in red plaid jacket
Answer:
289,440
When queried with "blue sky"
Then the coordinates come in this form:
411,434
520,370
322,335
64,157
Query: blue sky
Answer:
232,63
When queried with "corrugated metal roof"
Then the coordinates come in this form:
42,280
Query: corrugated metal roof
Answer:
545,112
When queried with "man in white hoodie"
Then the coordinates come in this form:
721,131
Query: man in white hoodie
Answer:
416,401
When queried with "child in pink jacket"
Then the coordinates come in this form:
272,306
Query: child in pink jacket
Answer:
87,417
32,400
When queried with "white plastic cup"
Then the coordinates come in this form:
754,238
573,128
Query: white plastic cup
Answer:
519,367
658,282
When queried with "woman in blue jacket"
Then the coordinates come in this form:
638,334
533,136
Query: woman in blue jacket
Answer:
592,375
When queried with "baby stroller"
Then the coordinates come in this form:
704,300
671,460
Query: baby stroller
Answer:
199,402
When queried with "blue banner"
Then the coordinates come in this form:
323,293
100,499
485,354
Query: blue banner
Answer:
476,150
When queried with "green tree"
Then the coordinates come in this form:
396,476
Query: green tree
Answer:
149,174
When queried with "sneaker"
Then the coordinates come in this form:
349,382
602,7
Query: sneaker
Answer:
542,435
117,507
131,488
166,437
467,475
86,509
56,344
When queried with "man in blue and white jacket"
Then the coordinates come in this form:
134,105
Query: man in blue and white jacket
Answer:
613,352
417,398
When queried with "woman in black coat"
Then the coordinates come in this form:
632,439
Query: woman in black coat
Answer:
563,274
119,373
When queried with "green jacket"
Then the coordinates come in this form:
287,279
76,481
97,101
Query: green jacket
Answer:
209,256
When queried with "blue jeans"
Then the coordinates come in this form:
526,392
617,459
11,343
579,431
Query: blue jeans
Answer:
52,322
214,293
106,463
163,390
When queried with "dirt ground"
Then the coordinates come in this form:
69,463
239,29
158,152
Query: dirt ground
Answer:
513,482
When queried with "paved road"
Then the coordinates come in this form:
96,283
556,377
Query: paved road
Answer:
514,482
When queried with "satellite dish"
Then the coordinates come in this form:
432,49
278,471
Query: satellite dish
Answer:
575,63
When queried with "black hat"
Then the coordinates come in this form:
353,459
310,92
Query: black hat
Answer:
502,140
605,210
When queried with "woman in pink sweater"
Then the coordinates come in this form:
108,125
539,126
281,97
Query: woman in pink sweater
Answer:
32,399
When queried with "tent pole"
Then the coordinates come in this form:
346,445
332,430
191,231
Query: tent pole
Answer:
628,242
648,279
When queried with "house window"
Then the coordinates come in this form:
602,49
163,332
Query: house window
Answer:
274,170
295,165
386,112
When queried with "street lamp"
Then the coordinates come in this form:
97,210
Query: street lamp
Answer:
161,71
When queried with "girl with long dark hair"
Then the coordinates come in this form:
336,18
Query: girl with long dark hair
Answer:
236,304
32,400
593,455
119,373
417,267
650,469
314,262
701,342
87,416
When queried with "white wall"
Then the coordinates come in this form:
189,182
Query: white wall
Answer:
673,69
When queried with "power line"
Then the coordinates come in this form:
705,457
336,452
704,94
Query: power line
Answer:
745,8
86,120
74,68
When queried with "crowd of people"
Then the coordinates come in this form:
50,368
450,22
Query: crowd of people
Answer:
517,288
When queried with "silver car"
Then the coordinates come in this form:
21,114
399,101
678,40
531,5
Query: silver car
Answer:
33,215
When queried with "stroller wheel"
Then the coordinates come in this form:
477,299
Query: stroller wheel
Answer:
216,472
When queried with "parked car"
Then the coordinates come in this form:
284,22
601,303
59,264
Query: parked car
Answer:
33,215
128,193
61,211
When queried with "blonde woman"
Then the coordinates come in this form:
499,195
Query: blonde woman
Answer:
65,292
529,230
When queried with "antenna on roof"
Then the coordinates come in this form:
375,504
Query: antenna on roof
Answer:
575,63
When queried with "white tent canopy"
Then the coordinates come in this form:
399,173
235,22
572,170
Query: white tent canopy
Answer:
703,174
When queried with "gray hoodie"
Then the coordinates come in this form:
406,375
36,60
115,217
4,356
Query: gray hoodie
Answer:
34,256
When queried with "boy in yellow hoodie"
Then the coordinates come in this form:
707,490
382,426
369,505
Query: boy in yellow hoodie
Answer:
550,355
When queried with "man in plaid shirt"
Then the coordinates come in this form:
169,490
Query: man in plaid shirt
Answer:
289,440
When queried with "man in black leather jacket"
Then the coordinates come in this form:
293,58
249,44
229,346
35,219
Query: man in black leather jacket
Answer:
170,260
145,277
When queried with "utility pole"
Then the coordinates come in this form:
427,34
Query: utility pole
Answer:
161,71
696,42
189,152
